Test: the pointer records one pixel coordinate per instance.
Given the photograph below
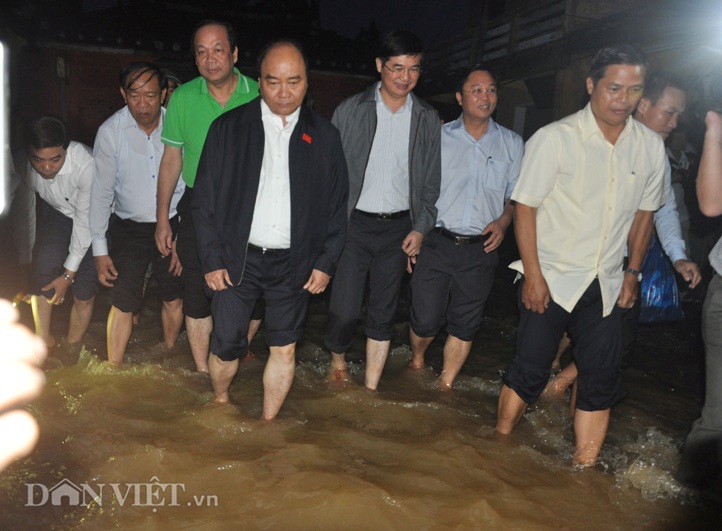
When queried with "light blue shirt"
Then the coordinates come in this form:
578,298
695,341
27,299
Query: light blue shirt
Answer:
125,179
477,176
386,181
666,221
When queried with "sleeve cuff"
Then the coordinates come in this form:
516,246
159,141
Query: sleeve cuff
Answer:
72,263
100,247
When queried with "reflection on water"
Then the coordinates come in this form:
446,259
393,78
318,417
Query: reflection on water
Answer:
149,442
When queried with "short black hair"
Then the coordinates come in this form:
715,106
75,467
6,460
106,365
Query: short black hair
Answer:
399,42
46,131
657,82
467,73
133,71
622,54
232,37
275,44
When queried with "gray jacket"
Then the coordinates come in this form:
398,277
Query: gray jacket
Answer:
355,118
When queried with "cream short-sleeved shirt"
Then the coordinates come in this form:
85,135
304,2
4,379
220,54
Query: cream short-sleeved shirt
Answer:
586,192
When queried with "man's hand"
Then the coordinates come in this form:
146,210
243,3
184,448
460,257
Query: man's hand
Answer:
535,295
630,292
164,237
317,282
713,123
410,263
60,285
218,280
412,243
175,268
107,274
689,271
496,231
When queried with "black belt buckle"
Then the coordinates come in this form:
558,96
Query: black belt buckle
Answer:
264,250
383,216
460,239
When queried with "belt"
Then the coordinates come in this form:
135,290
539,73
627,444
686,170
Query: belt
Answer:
383,216
460,239
265,250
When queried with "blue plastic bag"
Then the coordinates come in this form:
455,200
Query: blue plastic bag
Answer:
659,294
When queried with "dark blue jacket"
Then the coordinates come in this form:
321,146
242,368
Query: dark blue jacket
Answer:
224,194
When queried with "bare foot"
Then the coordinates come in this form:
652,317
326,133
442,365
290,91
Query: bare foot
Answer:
586,457
339,376
445,386
416,364
202,367
221,399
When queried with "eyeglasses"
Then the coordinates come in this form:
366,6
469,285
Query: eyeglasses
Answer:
398,70
476,92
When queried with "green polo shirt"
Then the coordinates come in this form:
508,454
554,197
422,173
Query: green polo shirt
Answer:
190,113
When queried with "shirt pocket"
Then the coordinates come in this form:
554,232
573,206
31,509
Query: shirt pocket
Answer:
629,194
495,175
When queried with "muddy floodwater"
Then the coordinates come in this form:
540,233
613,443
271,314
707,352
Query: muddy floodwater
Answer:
144,447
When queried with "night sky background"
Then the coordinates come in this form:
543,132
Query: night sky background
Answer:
433,20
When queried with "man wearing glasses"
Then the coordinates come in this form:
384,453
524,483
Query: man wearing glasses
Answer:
391,143
480,163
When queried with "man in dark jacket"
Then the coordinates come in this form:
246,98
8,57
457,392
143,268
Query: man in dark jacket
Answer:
270,214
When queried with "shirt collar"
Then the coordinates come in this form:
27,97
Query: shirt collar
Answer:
589,126
290,119
459,124
68,165
241,87
379,100
127,121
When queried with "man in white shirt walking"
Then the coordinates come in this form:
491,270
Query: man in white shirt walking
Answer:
270,219
127,155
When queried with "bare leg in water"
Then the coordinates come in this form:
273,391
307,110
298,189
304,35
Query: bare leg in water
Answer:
277,379
376,354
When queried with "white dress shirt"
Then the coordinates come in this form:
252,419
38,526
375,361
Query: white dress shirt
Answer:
271,226
125,179
68,193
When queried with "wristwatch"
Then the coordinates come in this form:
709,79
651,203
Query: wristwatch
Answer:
635,272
